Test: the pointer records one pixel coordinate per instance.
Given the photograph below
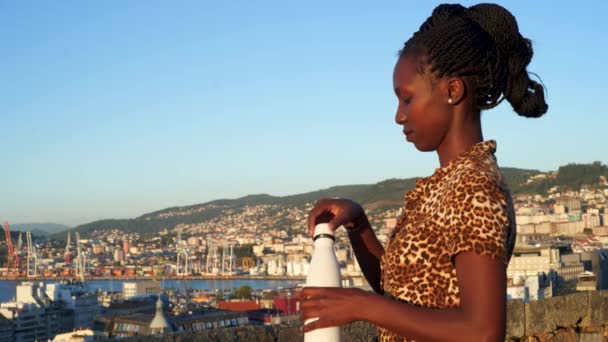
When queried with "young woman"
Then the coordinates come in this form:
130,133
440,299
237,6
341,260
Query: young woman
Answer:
442,274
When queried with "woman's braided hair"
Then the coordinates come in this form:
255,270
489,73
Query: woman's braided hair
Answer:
483,44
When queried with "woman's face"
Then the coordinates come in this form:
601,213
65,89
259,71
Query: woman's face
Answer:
423,109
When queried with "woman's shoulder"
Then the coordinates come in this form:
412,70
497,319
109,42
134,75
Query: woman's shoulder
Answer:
477,174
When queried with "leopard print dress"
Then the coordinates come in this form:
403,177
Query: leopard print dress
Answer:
464,206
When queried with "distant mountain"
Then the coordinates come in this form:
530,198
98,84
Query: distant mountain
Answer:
384,195
40,228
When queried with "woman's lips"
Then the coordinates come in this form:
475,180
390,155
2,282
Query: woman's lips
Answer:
408,133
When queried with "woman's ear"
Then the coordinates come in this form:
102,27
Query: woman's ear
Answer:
455,90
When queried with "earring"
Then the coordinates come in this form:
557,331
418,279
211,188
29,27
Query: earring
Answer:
450,101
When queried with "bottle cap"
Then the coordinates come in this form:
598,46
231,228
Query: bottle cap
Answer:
322,230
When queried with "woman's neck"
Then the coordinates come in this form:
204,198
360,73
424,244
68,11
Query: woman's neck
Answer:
459,140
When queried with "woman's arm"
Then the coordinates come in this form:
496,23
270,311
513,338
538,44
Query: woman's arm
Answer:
368,251
481,315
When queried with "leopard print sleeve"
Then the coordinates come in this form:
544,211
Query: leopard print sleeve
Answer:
481,217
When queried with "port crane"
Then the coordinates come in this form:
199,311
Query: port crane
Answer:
13,258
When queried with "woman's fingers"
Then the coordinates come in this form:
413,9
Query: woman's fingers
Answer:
338,220
309,313
325,211
318,324
313,216
311,221
314,292
311,304
329,305
335,212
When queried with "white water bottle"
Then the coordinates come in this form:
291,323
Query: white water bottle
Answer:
323,271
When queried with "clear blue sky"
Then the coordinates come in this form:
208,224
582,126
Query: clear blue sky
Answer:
111,109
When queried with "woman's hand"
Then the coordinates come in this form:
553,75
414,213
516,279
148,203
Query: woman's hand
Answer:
336,213
333,306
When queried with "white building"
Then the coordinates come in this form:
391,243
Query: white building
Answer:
29,321
539,218
194,241
140,288
77,297
529,288
86,335
570,228
297,268
532,261
278,247
591,220
119,255
258,250
291,248
276,266
353,269
7,329
33,314
587,281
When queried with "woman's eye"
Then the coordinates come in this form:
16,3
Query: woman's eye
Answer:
407,101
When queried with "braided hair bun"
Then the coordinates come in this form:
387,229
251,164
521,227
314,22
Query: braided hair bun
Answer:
483,44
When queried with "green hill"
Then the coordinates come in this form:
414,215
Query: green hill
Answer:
567,177
384,195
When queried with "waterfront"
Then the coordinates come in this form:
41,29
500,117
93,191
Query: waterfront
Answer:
8,287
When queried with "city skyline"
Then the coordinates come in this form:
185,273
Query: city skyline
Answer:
113,110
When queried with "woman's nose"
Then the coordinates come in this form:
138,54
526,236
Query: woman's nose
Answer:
400,117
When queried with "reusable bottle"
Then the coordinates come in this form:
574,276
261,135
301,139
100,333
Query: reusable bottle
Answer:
323,271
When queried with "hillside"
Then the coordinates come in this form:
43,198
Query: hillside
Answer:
383,195
377,197
567,177
40,228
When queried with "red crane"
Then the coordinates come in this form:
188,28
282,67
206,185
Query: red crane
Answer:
13,258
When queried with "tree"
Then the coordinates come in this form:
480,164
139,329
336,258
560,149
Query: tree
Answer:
244,251
219,296
3,255
268,295
244,292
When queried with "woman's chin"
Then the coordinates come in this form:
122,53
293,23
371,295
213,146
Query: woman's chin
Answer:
422,147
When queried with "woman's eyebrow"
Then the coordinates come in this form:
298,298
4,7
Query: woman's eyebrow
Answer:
401,92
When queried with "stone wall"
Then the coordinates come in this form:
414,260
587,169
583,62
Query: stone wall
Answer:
355,332
578,317
581,316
